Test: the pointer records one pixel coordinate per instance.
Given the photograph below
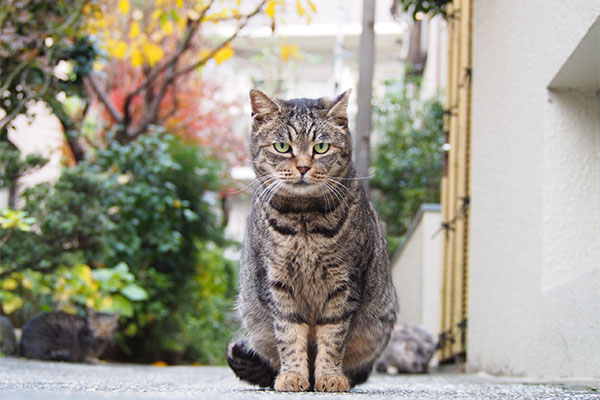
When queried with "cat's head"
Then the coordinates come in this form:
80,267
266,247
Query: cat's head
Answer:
298,146
102,325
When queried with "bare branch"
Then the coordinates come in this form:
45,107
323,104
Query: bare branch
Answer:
31,95
148,81
73,17
171,73
224,43
103,96
13,75
188,35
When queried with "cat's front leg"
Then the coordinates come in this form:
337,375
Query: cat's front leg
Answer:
292,347
329,376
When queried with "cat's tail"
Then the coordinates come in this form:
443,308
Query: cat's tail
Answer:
248,365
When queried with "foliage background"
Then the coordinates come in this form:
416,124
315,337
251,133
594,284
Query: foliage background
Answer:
408,160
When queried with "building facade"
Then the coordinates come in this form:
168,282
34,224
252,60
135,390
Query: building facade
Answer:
534,229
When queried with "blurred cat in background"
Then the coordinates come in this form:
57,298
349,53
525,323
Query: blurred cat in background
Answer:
60,336
8,341
409,351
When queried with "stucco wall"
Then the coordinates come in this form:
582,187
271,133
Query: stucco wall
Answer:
534,307
416,268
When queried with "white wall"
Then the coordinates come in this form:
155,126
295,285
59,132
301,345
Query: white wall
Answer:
41,135
534,302
416,270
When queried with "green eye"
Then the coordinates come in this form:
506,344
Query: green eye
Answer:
321,148
282,147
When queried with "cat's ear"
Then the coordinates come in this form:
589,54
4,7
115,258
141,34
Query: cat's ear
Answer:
262,104
338,110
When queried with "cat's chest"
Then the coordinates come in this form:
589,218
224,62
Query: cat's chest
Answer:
310,263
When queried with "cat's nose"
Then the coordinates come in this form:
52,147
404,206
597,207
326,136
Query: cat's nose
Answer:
302,169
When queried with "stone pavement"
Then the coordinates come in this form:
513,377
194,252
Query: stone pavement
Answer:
26,379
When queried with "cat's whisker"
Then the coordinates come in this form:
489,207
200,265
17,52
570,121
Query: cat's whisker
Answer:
275,190
270,183
340,184
358,178
336,192
254,182
325,194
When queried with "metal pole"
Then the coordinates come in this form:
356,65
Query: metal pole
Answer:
365,91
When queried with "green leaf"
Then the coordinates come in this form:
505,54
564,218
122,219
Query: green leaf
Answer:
122,305
134,292
102,275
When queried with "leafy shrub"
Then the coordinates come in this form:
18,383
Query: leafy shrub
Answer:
408,160
146,205
71,289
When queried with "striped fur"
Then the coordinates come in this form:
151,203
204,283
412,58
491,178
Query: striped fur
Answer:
316,297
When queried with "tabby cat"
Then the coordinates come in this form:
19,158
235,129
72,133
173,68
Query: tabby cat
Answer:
409,351
64,337
315,297
8,341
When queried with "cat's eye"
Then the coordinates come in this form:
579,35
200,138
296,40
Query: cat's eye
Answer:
321,148
282,147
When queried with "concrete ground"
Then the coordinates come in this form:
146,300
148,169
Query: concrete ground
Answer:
26,379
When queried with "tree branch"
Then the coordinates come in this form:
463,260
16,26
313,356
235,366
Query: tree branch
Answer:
190,31
103,96
31,95
169,68
224,43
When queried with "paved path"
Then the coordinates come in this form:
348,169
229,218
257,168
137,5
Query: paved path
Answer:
25,379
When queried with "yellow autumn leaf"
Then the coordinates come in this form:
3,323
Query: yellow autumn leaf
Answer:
270,10
9,284
224,54
168,27
179,3
89,302
27,284
84,272
215,17
123,6
134,31
301,10
117,48
136,58
69,309
107,303
98,66
204,54
182,23
152,53
289,50
11,305
156,14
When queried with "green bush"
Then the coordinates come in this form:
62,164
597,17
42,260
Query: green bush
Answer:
408,160
145,204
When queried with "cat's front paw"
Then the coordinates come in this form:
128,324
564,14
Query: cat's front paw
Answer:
291,382
332,383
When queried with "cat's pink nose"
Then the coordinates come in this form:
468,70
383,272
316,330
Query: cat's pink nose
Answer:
303,169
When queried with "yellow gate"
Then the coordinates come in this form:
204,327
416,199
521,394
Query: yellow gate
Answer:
455,183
